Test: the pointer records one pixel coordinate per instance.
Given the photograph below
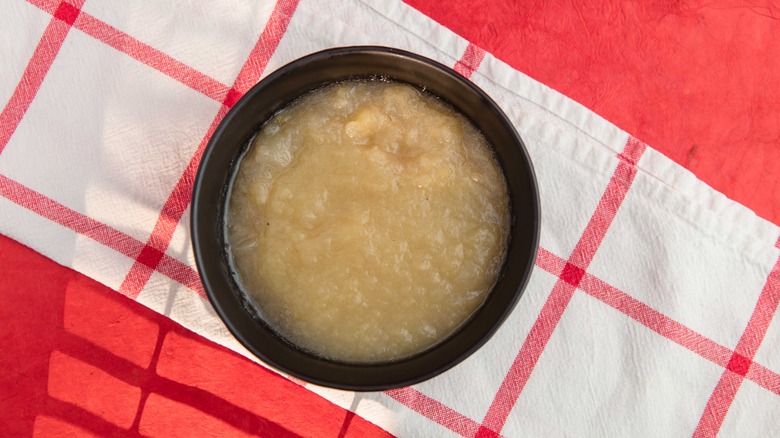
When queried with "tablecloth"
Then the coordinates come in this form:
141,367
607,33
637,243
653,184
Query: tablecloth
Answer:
651,311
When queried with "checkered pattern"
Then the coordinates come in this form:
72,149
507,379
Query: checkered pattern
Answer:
652,296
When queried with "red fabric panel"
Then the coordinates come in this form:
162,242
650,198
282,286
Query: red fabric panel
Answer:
79,359
695,80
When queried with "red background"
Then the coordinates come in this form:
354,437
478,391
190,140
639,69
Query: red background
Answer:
695,80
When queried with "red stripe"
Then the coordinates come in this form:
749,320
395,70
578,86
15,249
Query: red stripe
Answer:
152,57
656,321
144,53
179,199
740,364
470,61
762,315
529,354
641,312
718,405
56,212
550,262
435,410
764,377
46,5
47,49
168,266
266,45
571,274
181,273
608,205
169,217
95,230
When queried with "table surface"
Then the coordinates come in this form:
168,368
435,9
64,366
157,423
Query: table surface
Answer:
692,80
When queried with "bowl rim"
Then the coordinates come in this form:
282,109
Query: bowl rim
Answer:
207,281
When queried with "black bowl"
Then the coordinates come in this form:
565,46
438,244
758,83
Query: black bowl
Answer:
272,94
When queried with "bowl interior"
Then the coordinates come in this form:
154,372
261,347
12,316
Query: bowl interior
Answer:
274,93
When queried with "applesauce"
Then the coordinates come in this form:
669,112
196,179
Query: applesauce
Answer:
367,221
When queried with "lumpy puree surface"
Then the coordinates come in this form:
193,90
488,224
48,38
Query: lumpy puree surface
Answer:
367,221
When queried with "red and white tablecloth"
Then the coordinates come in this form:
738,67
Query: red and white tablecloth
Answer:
652,310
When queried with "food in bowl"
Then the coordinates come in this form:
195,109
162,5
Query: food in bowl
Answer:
367,221
275,92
